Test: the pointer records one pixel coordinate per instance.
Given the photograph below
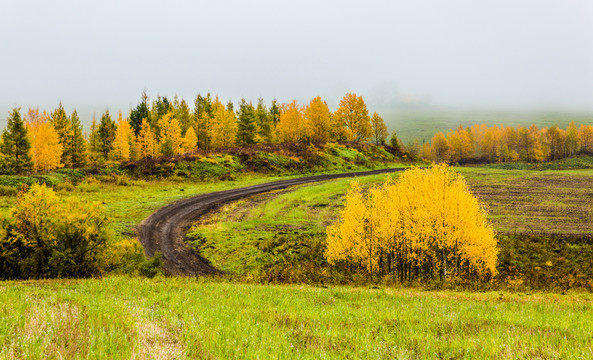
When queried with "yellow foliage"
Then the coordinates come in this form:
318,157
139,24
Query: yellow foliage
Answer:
46,150
123,136
146,141
190,141
353,118
317,120
291,127
425,223
223,127
171,141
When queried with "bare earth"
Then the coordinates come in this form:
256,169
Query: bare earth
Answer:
164,230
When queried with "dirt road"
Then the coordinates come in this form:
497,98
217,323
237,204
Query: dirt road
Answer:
164,230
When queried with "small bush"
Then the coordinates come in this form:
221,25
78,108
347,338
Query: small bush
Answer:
65,186
152,267
8,190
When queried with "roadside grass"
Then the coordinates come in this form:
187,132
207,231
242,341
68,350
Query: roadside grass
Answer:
122,318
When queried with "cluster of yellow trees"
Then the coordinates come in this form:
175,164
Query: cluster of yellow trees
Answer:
171,128
422,225
504,143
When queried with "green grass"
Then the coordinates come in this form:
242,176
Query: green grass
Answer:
122,318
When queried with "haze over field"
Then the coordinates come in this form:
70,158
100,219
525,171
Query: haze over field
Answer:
503,54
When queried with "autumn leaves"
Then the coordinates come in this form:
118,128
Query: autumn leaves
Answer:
165,128
423,225
481,143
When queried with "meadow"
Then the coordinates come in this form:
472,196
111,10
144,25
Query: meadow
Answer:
166,318
280,299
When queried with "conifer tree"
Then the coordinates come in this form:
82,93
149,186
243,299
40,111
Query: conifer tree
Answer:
247,125
121,143
60,122
275,112
171,141
183,114
263,121
106,134
190,140
139,113
94,151
203,113
16,144
77,156
146,141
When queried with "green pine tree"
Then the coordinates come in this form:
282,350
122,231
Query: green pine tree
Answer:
140,112
264,121
247,124
203,113
77,143
106,134
16,144
60,122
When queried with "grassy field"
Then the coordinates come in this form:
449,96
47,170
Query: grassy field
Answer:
423,124
123,318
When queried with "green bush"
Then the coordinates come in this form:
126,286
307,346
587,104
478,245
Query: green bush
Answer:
7,190
152,267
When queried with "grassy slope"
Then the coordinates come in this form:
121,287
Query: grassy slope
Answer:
184,318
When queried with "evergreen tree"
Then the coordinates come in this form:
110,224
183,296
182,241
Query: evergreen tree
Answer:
140,112
106,134
203,113
61,124
77,143
264,121
183,115
16,144
275,112
247,124
94,148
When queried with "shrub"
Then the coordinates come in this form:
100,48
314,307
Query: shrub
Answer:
48,238
7,190
153,266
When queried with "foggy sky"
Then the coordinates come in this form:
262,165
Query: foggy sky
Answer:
495,54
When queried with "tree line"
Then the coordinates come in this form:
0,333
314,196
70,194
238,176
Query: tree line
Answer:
480,143
43,141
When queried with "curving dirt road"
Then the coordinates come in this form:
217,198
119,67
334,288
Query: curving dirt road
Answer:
164,230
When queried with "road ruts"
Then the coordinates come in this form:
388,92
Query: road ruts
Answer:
164,230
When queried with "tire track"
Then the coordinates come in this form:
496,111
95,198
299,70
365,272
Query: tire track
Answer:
164,230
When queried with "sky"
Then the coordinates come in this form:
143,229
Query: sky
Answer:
488,54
